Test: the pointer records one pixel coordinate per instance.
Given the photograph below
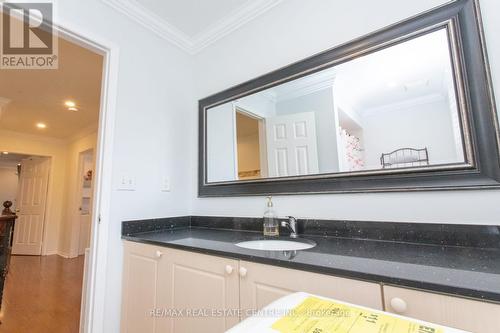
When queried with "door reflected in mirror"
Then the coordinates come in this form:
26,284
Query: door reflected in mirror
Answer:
396,108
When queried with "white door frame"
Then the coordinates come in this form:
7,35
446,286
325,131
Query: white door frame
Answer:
93,320
76,230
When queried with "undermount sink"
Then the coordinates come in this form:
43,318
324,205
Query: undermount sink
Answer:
277,244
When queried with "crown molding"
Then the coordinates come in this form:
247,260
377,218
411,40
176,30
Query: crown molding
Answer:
153,22
192,45
307,85
244,14
414,102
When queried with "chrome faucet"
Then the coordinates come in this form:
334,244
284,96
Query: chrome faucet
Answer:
292,226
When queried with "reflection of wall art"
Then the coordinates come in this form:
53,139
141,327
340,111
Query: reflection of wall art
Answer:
88,175
353,150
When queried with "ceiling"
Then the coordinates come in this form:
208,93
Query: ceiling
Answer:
192,17
192,25
33,96
419,68
407,71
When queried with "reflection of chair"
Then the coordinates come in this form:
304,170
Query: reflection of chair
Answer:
405,157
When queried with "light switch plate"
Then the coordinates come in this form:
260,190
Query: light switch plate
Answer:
126,183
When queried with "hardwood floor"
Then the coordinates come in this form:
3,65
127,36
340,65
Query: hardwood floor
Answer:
42,295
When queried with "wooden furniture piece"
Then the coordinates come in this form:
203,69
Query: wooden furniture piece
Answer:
6,227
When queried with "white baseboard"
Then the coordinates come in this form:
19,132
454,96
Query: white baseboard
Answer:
64,255
50,253
60,254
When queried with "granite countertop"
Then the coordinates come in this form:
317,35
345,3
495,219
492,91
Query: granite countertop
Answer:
460,270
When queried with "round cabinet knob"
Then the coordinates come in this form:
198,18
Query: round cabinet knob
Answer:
398,305
158,254
243,271
229,269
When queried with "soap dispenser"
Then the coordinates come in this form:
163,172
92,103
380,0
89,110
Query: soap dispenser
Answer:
271,225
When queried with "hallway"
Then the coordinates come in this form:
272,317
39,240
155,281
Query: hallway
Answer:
42,294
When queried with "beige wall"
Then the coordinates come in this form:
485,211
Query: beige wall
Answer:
248,153
62,183
8,184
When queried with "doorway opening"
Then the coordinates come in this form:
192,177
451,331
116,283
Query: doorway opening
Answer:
250,145
55,121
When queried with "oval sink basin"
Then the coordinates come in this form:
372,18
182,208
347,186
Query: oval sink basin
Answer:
277,244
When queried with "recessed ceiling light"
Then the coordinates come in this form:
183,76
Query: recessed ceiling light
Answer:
73,109
5,152
41,125
70,104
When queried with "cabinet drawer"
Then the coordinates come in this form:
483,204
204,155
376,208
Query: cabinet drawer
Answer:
465,314
263,284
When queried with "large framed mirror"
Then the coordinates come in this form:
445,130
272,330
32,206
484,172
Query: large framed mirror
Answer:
406,108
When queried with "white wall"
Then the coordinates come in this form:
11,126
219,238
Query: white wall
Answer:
424,125
8,185
221,165
258,104
297,29
152,136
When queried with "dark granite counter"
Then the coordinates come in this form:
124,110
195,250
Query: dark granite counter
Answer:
468,271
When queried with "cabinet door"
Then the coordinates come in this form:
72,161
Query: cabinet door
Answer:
263,284
141,287
202,287
464,314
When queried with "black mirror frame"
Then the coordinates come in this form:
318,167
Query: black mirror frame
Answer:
483,169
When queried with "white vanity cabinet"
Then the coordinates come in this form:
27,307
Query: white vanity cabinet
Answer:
173,280
142,289
456,312
262,284
159,278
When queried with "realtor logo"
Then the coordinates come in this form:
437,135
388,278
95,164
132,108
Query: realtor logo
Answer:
28,40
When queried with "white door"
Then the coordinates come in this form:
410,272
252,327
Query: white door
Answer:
292,145
31,201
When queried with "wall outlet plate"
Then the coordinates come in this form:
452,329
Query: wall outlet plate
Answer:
165,184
